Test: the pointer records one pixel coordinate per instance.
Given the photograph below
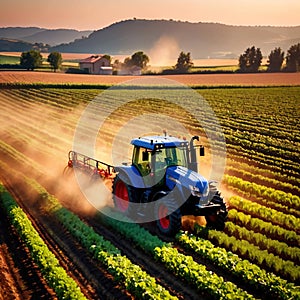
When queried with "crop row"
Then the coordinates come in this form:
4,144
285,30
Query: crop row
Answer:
268,214
181,265
243,248
263,242
63,285
264,202
264,169
34,122
270,194
37,115
261,177
57,95
289,237
245,140
288,167
12,153
51,96
262,161
249,273
273,106
136,281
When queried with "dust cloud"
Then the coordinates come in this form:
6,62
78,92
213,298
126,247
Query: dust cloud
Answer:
41,136
164,52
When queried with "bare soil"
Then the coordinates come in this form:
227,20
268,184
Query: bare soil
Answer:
260,79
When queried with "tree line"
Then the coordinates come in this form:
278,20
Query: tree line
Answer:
32,59
249,62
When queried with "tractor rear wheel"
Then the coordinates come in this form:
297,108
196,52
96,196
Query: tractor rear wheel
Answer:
167,216
122,196
218,219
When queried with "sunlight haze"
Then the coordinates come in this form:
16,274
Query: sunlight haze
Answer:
94,15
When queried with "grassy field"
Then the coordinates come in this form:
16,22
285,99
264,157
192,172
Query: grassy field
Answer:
9,59
14,59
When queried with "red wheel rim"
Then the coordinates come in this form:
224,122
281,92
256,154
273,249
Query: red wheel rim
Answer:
163,217
122,196
212,218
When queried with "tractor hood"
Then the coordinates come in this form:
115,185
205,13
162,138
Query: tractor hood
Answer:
186,179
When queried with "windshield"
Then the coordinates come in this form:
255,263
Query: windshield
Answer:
171,157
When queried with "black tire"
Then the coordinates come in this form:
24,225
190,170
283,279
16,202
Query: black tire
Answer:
218,219
123,197
168,224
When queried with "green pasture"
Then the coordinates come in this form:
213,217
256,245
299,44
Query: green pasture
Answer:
9,59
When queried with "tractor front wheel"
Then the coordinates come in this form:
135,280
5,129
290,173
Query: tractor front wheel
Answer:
218,219
168,217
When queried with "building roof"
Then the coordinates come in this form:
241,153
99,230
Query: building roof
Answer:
91,59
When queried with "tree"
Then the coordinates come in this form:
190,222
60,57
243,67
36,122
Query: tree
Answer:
139,59
55,59
31,59
293,58
184,62
108,57
127,62
275,60
250,61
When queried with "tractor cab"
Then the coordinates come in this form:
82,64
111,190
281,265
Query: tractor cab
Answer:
152,156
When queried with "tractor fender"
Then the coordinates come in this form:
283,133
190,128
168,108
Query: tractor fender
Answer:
131,176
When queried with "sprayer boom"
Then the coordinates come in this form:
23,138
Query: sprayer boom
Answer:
90,165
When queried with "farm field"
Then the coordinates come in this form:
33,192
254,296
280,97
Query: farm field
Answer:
263,79
49,231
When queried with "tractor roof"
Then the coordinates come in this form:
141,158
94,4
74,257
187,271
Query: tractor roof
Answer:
157,142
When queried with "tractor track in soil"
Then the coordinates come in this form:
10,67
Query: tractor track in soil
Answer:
94,281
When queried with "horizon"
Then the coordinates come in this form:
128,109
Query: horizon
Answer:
82,15
143,19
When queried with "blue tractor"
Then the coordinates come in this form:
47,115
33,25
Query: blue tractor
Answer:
162,184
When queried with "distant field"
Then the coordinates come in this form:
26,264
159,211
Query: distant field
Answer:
68,56
9,59
194,79
209,62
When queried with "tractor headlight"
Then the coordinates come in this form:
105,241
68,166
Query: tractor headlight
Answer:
195,191
206,191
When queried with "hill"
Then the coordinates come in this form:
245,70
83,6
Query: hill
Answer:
11,45
203,40
42,35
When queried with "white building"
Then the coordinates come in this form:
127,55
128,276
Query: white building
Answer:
96,64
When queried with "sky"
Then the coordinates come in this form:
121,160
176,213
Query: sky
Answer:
96,14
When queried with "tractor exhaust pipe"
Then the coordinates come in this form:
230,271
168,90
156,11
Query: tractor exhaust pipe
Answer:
193,158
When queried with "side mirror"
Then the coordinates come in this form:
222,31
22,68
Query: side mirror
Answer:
201,150
145,156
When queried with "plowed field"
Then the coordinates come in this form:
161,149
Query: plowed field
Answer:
197,79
